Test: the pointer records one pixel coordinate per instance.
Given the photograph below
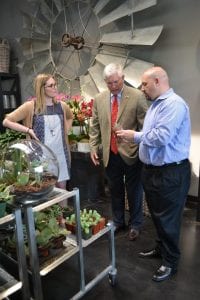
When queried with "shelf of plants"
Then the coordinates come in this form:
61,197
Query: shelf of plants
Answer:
36,224
8,284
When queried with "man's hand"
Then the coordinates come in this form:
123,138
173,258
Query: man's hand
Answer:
126,135
94,158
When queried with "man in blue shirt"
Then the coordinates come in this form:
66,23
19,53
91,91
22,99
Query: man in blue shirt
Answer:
164,151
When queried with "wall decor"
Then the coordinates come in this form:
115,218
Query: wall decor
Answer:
74,39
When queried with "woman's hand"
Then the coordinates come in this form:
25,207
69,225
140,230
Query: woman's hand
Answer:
32,134
19,127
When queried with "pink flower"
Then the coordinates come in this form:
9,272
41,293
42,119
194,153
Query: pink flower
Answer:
62,97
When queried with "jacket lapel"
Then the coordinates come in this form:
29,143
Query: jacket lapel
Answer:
123,103
106,104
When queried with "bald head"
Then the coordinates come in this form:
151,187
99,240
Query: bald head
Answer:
155,82
157,72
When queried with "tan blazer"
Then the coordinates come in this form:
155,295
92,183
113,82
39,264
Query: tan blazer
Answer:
131,113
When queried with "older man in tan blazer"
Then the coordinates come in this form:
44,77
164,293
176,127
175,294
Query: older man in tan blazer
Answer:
122,167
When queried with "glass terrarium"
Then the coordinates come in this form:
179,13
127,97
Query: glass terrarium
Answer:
30,168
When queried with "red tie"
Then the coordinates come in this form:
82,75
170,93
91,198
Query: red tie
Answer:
114,112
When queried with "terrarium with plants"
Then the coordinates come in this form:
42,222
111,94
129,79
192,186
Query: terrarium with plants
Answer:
29,168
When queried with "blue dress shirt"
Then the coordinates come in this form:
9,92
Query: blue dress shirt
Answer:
119,97
166,134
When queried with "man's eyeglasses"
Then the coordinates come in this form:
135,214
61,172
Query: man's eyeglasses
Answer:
53,85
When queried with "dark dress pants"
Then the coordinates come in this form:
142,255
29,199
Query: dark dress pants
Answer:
121,176
166,191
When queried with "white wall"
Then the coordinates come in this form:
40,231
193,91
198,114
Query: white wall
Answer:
177,50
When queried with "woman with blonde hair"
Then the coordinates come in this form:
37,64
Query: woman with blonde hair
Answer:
47,120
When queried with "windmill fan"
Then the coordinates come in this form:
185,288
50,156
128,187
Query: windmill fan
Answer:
75,39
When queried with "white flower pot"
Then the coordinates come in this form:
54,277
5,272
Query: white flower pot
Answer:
76,130
83,147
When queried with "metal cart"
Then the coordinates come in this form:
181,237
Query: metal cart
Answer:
73,245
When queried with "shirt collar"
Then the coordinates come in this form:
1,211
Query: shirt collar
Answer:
165,95
119,96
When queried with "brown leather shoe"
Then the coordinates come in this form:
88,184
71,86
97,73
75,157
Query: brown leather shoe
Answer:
133,234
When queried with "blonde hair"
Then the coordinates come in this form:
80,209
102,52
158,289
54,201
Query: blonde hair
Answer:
39,86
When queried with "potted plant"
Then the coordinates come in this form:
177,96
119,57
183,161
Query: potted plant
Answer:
43,241
70,223
58,233
91,222
10,245
82,111
5,197
48,230
67,211
30,167
9,136
55,211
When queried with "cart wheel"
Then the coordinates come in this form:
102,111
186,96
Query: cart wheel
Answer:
112,279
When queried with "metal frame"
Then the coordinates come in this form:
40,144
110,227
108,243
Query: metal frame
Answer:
79,244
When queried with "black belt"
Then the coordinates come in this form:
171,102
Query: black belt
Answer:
167,165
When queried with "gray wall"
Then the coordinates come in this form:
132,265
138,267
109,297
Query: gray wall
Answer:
177,50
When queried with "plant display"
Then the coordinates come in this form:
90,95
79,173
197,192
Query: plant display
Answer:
29,167
54,211
82,111
5,194
47,228
5,197
9,136
9,245
67,211
89,220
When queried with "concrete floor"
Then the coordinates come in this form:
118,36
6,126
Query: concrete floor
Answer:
133,273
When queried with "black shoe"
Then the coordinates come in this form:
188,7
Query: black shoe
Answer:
154,253
163,273
119,228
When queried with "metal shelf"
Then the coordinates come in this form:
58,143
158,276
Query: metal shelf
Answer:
7,218
73,244
73,240
57,196
55,261
8,284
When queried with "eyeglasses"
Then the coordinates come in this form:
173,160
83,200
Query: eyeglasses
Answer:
53,85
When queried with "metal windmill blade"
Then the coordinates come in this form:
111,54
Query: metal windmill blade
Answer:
126,9
75,39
